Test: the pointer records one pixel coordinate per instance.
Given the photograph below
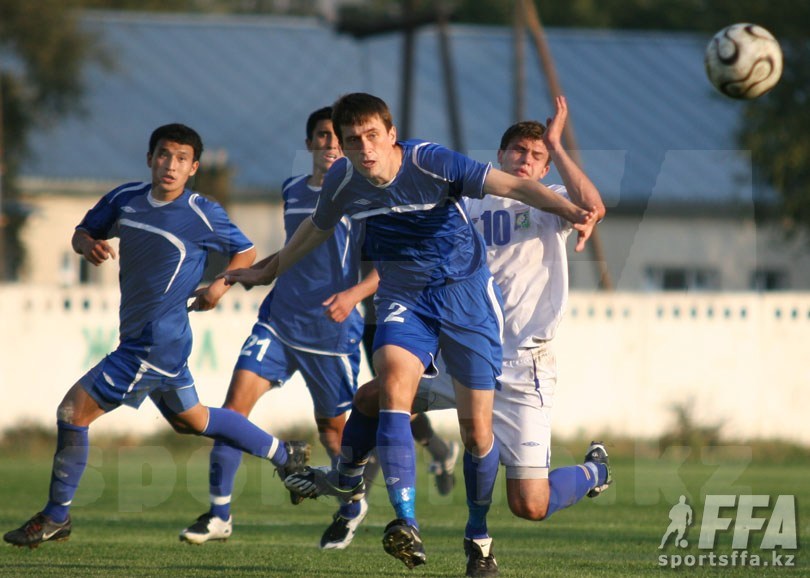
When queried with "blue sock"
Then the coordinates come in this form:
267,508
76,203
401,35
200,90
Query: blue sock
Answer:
69,462
359,438
568,485
225,462
398,460
601,472
350,510
235,429
479,480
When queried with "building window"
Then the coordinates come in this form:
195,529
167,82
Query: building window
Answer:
668,278
76,270
769,280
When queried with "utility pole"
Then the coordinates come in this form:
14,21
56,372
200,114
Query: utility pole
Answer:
3,258
411,20
532,19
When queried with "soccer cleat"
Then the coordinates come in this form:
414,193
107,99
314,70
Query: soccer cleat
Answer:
597,453
297,460
207,528
444,470
403,542
480,558
37,530
317,482
340,532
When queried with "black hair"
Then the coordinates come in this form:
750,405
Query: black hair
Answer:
358,107
324,113
179,133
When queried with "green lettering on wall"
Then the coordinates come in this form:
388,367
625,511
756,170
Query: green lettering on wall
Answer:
206,352
99,343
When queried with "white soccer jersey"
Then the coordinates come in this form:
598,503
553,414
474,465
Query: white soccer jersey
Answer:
527,256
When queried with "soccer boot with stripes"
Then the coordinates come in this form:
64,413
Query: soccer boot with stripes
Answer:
317,482
297,459
597,454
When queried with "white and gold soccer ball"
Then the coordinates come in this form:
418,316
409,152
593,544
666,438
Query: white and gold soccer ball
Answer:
743,61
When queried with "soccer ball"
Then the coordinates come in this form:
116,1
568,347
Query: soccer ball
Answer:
743,61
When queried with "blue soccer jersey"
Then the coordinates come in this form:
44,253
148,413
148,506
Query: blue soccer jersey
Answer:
293,307
417,230
163,251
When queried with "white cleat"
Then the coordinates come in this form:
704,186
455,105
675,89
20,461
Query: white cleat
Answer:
341,531
207,528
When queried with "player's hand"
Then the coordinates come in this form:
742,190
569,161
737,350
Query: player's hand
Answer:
554,126
205,299
339,306
247,277
97,251
584,228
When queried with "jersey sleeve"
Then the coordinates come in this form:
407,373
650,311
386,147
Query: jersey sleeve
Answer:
330,207
465,174
100,222
225,236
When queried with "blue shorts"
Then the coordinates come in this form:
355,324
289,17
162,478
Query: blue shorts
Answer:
463,319
122,378
330,377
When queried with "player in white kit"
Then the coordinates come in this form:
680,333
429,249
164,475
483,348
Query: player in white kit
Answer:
526,252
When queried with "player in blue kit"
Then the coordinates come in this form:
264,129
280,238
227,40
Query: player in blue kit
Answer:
526,252
307,323
166,232
435,293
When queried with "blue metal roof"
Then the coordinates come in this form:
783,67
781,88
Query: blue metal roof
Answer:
646,118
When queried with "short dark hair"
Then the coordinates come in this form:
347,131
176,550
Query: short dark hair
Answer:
356,108
530,129
324,113
179,133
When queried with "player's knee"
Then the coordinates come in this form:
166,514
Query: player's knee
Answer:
478,441
529,510
183,427
65,412
367,399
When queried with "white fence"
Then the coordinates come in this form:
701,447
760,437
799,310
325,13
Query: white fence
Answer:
624,360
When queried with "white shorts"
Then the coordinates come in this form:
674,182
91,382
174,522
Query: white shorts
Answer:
521,418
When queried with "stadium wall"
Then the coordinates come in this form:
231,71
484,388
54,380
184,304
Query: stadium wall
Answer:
625,359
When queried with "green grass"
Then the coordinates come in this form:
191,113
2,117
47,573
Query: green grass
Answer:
133,502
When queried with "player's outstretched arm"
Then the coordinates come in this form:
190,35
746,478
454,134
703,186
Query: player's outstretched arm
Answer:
533,193
306,237
340,305
206,298
94,250
579,187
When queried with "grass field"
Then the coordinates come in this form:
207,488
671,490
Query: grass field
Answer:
134,500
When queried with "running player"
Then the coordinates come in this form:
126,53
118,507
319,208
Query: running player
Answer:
526,251
165,232
435,293
308,323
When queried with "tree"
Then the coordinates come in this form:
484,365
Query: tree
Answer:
39,82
